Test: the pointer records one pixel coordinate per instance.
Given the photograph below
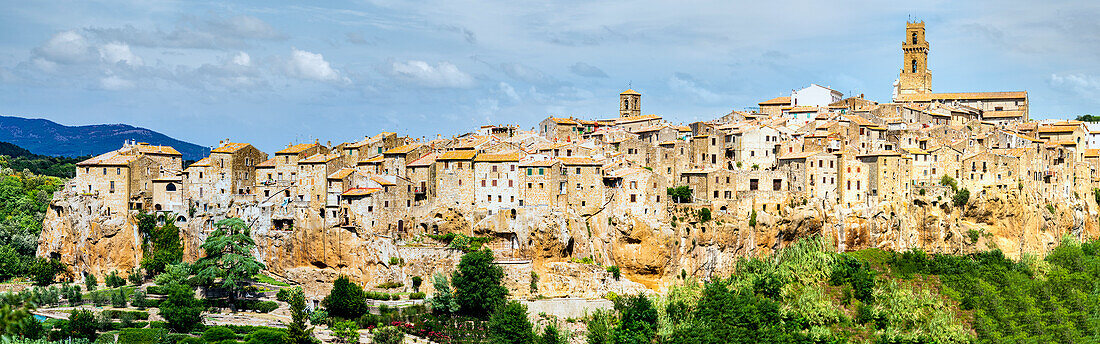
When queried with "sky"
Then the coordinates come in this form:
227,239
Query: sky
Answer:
272,72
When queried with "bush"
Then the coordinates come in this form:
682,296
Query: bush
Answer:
117,314
118,298
82,324
948,181
416,281
752,219
388,335
395,261
417,296
346,332
180,308
218,333
615,271
140,335
704,215
637,320
266,306
679,194
113,280
345,300
961,197
390,285
267,336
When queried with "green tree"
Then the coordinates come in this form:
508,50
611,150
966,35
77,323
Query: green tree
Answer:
638,320
416,281
679,194
82,324
16,318
477,283
297,332
443,300
550,335
90,282
163,248
388,335
218,333
599,326
11,262
180,308
229,258
45,271
509,325
946,180
346,300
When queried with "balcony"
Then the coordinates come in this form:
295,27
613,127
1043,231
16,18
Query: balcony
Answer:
419,190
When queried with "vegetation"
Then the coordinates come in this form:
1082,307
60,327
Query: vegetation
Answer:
443,301
346,332
297,332
679,194
477,284
946,180
961,197
346,300
229,258
615,271
1088,118
163,246
388,335
509,325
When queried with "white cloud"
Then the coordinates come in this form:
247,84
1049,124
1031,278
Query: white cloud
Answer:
115,83
686,83
441,75
242,59
116,52
311,66
66,47
528,74
1079,84
587,70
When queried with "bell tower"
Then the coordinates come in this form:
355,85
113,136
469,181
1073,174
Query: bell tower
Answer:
915,76
630,103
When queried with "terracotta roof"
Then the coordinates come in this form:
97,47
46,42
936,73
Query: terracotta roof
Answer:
268,163
797,155
298,148
319,158
1092,153
471,142
505,157
374,160
1058,128
631,91
457,155
578,161
925,97
341,173
639,118
112,158
229,147
204,162
404,149
776,101
147,149
539,163
425,160
369,140
359,191
562,121
916,151
382,181
1003,114
863,122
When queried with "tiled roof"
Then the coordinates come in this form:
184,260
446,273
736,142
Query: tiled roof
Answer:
112,158
268,163
505,157
1003,114
204,162
457,155
639,118
319,158
776,101
229,147
563,121
374,160
578,161
147,149
538,163
631,91
298,148
797,155
425,160
359,191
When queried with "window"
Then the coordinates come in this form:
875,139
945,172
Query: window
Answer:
529,170
482,183
633,198
914,37
716,195
579,186
112,186
754,184
118,171
541,171
494,168
509,183
578,170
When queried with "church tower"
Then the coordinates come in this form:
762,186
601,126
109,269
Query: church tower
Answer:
915,76
630,103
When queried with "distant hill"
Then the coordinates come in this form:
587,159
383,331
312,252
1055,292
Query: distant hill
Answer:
13,150
45,137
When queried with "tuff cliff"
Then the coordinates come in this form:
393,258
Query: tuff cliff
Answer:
569,252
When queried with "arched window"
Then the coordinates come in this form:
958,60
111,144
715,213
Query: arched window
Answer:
170,187
914,37
914,65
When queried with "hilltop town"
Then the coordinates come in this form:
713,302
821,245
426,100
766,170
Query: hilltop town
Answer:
942,172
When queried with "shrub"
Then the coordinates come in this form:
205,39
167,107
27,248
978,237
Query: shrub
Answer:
1050,208
267,336
961,197
417,296
345,300
388,335
946,180
973,234
218,333
285,294
117,314
113,280
615,271
346,332
266,306
82,324
390,285
118,298
921,192
534,288
416,281
139,299
90,282
752,219
679,194
140,335
637,320
180,308
395,261
704,215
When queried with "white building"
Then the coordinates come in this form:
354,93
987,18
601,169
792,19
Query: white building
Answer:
815,95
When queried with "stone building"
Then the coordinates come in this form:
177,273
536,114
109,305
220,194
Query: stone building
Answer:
120,180
496,181
542,183
583,184
455,177
630,103
235,162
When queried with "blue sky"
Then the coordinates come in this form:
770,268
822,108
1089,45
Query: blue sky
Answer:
271,73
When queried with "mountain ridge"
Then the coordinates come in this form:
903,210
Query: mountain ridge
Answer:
46,137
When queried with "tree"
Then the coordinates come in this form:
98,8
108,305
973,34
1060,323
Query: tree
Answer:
90,282
346,332
82,324
11,262
477,283
218,333
946,180
416,281
16,318
679,194
599,326
346,300
229,257
443,300
296,330
509,325
45,270
180,308
164,247
638,320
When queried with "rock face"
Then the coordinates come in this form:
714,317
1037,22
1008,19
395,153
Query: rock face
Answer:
570,252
